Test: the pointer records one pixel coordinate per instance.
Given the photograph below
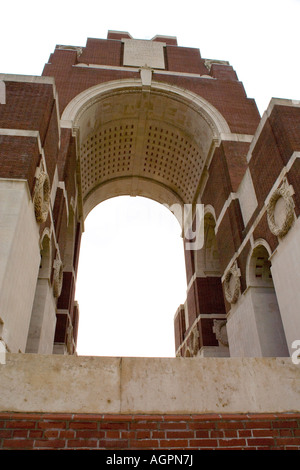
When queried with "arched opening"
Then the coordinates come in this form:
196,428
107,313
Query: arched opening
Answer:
267,315
153,143
201,326
43,317
254,323
259,271
131,279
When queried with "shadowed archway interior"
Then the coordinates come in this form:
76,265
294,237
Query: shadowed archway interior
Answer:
154,143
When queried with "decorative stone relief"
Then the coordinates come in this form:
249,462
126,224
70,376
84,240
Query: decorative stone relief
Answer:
232,284
58,277
219,328
72,48
193,343
209,62
41,199
280,210
188,352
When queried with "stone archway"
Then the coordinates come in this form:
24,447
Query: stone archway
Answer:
148,142
155,142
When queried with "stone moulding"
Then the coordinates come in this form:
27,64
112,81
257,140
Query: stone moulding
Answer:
285,192
41,197
219,329
232,284
75,109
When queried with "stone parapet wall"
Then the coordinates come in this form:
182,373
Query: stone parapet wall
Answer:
113,385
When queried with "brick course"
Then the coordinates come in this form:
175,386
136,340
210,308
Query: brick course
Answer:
155,432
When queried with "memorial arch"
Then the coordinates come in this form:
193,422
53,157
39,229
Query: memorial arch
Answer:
142,118
153,142
122,116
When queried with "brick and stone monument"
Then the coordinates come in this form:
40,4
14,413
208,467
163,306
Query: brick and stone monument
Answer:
123,116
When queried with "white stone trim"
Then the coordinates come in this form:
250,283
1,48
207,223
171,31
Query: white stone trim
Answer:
136,69
209,209
21,133
231,197
9,77
107,67
247,197
162,36
233,137
116,31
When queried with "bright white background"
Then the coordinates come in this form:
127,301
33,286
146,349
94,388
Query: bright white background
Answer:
130,286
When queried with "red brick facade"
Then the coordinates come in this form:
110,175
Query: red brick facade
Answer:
20,431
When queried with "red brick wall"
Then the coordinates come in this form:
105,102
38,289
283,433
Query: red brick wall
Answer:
102,52
28,106
19,157
185,59
240,112
155,432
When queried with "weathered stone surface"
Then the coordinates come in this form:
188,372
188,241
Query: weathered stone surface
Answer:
43,383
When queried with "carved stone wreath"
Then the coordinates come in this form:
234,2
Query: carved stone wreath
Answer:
41,198
285,193
57,277
232,284
220,331
193,343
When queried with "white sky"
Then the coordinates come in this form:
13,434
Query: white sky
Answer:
261,41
